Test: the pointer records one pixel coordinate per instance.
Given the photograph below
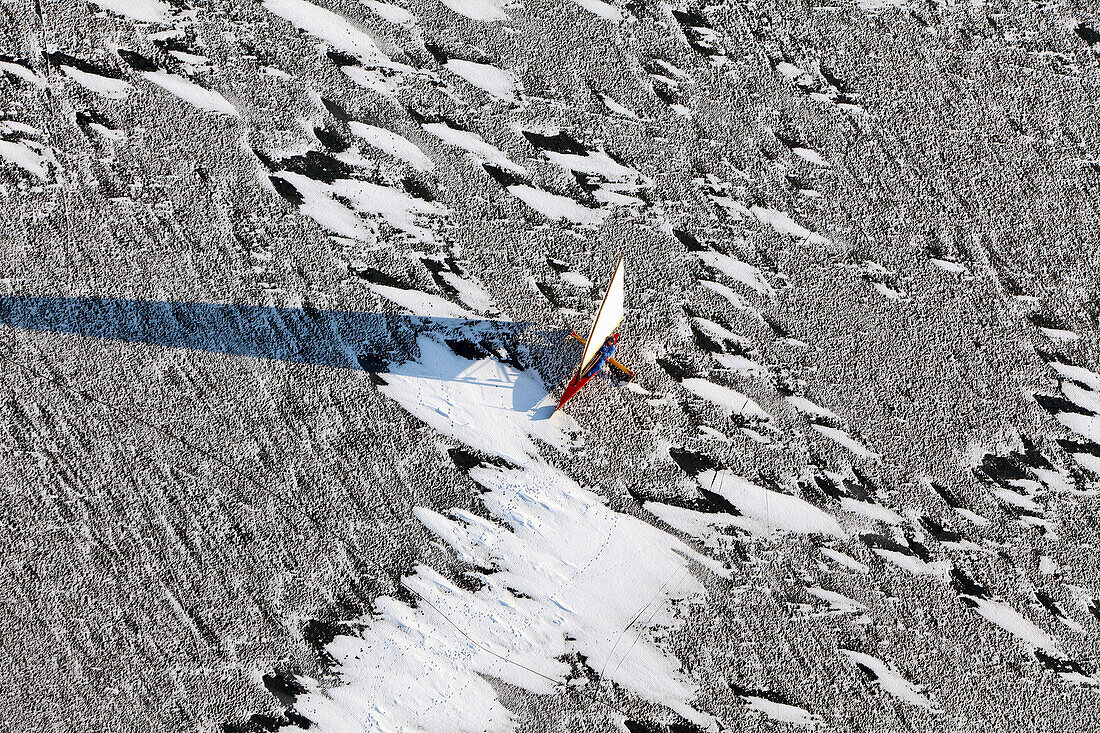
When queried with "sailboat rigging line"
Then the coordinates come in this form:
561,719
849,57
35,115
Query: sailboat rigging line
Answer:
319,522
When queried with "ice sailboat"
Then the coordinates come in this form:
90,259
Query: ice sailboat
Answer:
608,318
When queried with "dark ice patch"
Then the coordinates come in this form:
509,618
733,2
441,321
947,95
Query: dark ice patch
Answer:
336,110
57,58
835,81
316,165
949,498
938,531
377,277
1074,446
1055,404
417,189
437,268
698,32
437,53
287,190
501,176
1087,34
136,61
1014,466
1047,602
692,463
284,687
331,139
342,59
465,459
559,143
705,342
467,349
673,369
689,241
638,726
869,673
548,293
1059,665
965,586
912,548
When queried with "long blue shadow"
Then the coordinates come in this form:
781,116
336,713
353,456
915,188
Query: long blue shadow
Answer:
339,339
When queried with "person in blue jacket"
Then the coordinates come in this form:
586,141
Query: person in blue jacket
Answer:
605,353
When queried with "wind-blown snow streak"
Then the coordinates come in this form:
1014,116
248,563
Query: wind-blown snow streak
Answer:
570,575
888,679
491,80
738,271
392,144
102,85
728,399
473,143
145,11
192,93
322,203
335,30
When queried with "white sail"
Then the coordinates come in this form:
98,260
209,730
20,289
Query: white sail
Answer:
608,316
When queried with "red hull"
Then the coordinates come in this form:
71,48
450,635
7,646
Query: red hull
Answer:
575,385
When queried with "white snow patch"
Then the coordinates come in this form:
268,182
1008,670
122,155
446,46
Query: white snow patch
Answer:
738,271
741,365
913,564
576,279
728,399
22,72
391,13
1084,398
18,153
720,333
396,208
419,303
601,9
595,163
318,204
812,409
734,299
764,511
845,440
477,9
781,712
703,526
491,80
876,512
145,11
594,581
782,222
192,93
889,680
1059,334
838,602
1087,426
335,30
473,143
615,107
1079,374
949,266
811,156
392,144
553,206
102,85
843,559
485,404
1012,621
